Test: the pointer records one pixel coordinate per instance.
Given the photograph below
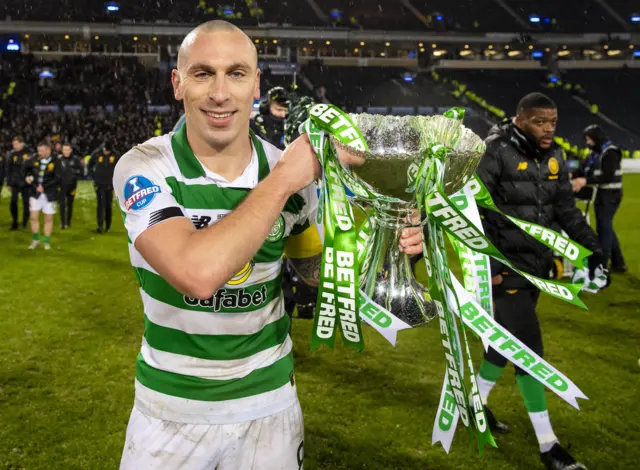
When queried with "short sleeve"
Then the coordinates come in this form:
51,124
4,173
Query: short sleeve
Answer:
144,197
305,239
307,215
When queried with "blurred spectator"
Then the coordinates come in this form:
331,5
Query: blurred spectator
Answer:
72,170
85,130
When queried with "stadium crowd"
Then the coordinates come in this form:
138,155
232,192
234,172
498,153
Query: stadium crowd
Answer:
85,130
84,101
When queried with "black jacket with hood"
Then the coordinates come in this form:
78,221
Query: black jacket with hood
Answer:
533,185
602,168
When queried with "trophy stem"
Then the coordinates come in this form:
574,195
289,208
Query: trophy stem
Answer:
387,277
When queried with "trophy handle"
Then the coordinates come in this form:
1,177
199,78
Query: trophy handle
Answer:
364,207
364,237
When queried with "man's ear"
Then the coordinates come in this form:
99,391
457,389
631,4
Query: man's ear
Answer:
175,81
519,120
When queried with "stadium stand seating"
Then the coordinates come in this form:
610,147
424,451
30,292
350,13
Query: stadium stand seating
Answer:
187,11
383,90
94,81
435,15
626,9
87,81
379,14
112,97
613,93
504,88
290,12
467,15
576,16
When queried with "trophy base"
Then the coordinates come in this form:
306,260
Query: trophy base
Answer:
386,274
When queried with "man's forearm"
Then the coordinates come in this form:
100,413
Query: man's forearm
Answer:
220,251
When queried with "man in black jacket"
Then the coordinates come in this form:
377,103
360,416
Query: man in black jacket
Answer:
101,168
524,172
15,181
43,175
72,169
269,122
602,171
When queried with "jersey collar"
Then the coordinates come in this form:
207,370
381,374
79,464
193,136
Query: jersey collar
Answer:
191,167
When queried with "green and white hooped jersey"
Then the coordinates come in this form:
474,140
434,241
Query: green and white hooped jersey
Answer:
226,359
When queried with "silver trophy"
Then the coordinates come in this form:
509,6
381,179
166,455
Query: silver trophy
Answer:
398,146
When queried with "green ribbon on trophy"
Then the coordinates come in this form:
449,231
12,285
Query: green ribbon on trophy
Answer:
410,164
454,222
338,291
476,272
469,406
575,253
446,216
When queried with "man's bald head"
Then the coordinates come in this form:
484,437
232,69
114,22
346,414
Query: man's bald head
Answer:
218,80
212,27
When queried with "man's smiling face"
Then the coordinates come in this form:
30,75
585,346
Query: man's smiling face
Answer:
218,80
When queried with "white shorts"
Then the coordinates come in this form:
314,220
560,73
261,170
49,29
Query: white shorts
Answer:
41,203
275,442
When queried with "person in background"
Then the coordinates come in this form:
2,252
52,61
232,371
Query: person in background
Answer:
602,171
297,293
72,170
43,175
524,172
15,181
269,123
101,168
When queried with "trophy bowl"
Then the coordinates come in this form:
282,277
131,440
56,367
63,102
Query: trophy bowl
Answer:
398,146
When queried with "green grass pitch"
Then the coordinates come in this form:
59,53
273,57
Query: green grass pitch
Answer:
71,325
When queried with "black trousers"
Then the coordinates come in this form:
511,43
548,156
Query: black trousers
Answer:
606,206
15,194
296,292
66,196
516,311
104,194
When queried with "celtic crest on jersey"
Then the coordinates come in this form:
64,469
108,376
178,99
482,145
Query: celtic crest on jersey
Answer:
277,231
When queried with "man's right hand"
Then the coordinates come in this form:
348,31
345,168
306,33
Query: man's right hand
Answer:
577,184
299,166
9,188
496,280
29,179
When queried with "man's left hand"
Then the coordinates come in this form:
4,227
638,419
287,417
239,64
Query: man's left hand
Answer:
40,189
578,183
411,238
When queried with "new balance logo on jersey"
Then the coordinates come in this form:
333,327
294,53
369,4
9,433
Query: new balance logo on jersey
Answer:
230,299
201,221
